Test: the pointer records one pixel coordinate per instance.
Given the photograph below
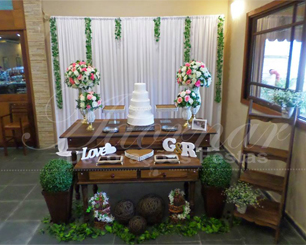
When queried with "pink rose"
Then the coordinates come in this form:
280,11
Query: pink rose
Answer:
198,83
91,92
179,100
82,63
188,81
187,97
179,71
188,91
80,77
71,80
89,96
74,64
203,66
88,106
99,102
188,72
84,69
92,77
187,64
73,69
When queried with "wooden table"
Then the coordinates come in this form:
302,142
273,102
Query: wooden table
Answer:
133,171
78,137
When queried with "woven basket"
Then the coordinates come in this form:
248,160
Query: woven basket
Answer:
176,209
100,225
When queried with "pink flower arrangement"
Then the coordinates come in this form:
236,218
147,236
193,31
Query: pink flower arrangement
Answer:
89,101
187,98
193,74
82,75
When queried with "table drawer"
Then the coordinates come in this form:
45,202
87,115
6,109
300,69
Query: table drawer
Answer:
163,174
112,175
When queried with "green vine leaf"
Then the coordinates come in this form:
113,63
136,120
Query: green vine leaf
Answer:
56,66
118,29
157,28
187,45
220,50
88,33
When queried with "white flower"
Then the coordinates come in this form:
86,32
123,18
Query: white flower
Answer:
94,98
184,69
199,74
202,69
194,67
76,81
94,104
76,73
82,97
191,101
183,74
198,64
183,93
193,81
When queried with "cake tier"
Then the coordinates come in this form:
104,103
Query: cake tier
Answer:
140,121
140,87
140,103
143,95
140,111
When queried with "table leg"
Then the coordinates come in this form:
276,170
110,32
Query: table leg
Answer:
85,202
94,189
76,186
186,190
192,197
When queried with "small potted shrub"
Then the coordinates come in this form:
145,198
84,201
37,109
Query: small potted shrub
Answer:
56,180
288,101
215,176
242,195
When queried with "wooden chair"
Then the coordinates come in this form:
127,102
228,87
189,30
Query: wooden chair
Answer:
18,114
272,212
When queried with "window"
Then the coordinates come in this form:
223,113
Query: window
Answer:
275,52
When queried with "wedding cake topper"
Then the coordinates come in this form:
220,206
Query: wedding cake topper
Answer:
140,110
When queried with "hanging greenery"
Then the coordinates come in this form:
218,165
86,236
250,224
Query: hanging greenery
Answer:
118,28
88,40
157,28
56,67
187,45
219,59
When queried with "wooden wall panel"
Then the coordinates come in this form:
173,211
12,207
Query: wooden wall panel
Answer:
13,19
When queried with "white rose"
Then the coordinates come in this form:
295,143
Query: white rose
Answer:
183,74
191,101
183,93
87,73
76,81
76,73
82,105
194,67
94,98
94,104
198,64
199,74
82,97
202,69
184,69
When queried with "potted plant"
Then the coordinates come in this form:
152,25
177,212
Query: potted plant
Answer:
179,208
288,100
56,180
215,176
99,204
242,195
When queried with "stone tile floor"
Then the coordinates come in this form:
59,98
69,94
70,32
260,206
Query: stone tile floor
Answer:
22,207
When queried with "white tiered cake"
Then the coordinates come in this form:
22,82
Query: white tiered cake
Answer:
140,110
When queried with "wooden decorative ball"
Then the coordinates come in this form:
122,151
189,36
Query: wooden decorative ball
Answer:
152,208
124,211
137,225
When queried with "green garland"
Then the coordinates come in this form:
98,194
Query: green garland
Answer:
157,28
56,67
118,29
187,45
220,49
88,40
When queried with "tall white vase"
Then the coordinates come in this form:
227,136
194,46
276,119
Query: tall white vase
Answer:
195,110
90,118
186,114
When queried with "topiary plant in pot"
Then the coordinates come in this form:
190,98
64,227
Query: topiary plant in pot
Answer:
215,176
56,180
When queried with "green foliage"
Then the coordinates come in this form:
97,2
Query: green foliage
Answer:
219,59
187,45
157,28
242,194
118,29
288,98
216,171
56,176
88,40
56,66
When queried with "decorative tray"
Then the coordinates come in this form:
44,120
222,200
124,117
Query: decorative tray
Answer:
140,128
110,160
173,158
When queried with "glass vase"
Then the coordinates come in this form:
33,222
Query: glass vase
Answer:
195,110
90,118
186,115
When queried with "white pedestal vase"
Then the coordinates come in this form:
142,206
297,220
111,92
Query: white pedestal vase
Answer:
90,118
196,109
186,115
287,112
241,209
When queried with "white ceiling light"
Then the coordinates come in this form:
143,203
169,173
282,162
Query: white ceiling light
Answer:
18,34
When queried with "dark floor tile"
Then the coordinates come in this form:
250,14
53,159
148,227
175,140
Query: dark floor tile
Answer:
17,232
118,240
2,187
26,178
40,238
35,193
6,209
31,210
290,234
177,239
6,177
107,239
15,193
225,241
232,235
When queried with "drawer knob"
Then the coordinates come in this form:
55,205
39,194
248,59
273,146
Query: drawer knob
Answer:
164,175
112,176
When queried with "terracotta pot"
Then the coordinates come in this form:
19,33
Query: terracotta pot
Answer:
59,205
214,201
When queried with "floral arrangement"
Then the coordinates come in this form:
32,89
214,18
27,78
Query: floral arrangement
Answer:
187,98
99,204
288,98
82,75
186,207
89,101
242,194
193,74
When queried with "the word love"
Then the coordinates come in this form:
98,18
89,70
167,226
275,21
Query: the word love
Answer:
107,149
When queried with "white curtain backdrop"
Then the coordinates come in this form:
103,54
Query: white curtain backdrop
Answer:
137,58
